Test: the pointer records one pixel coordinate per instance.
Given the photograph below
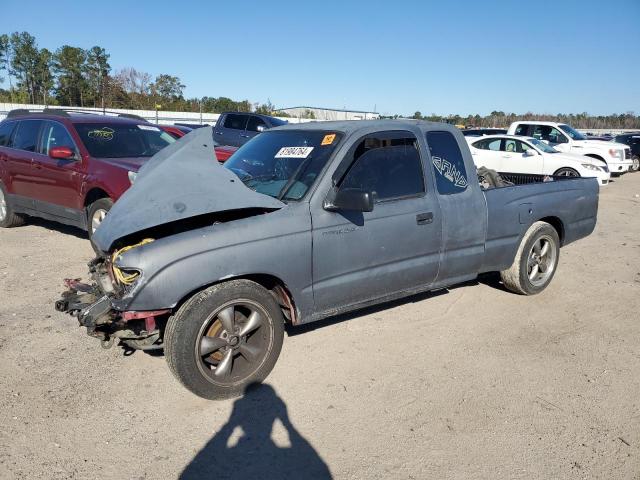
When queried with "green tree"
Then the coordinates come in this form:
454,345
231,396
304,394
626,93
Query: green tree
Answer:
69,65
24,63
97,70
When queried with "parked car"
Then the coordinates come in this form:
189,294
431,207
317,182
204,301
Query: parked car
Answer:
514,157
224,152
479,132
304,222
70,167
237,128
564,138
632,140
176,131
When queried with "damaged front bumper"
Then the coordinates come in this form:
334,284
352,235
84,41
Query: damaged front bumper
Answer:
94,310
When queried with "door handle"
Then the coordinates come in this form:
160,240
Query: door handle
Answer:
217,133
424,218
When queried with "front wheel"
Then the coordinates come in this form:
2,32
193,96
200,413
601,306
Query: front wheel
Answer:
535,262
567,172
635,166
224,338
96,213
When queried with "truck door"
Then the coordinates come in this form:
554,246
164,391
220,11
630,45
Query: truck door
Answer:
463,208
229,128
394,248
254,127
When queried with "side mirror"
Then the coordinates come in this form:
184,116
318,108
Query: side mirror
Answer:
261,128
61,152
349,199
530,153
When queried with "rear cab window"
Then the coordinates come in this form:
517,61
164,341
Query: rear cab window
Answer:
522,129
121,140
236,121
448,163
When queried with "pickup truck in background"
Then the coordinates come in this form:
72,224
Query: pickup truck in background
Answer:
307,221
564,138
237,128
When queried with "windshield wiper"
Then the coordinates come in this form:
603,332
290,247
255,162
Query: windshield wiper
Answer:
293,178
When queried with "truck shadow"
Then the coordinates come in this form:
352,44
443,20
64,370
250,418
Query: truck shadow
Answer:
254,454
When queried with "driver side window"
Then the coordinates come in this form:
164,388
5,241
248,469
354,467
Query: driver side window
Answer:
55,135
389,167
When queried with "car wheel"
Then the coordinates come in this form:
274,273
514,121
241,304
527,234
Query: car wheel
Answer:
566,172
96,213
8,219
635,166
224,338
535,262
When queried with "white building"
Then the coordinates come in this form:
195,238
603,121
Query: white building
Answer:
318,113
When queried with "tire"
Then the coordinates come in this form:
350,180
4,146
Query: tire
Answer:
93,211
636,163
518,278
566,172
8,218
207,315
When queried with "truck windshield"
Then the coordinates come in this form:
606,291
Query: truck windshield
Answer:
121,140
540,145
283,164
576,135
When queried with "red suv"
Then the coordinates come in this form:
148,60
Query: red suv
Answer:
70,167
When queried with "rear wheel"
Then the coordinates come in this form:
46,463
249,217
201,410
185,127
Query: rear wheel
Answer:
8,218
567,172
96,213
224,338
536,261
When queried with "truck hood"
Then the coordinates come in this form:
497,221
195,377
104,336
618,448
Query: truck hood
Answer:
599,144
182,181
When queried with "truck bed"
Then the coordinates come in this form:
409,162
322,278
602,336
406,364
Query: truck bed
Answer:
569,204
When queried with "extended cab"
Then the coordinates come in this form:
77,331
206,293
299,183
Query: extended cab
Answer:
301,223
70,167
564,138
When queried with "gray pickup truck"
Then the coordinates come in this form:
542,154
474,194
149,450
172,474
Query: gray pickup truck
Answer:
303,222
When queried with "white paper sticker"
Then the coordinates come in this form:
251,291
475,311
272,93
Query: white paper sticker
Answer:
294,152
148,127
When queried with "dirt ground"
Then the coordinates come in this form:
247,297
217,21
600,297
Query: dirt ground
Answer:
473,382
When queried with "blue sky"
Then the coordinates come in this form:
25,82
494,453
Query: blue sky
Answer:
433,56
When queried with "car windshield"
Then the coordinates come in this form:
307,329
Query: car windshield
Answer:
540,145
121,140
283,164
576,135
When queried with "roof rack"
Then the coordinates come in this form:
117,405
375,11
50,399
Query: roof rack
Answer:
18,112
132,116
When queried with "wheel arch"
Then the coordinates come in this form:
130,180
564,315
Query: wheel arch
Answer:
278,288
94,194
557,224
597,157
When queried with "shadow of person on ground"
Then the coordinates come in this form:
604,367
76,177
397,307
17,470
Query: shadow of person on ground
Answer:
255,455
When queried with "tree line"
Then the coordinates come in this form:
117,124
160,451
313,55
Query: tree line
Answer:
498,119
75,77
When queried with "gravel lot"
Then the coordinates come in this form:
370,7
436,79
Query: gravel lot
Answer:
473,382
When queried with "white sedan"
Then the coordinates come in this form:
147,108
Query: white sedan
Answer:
516,155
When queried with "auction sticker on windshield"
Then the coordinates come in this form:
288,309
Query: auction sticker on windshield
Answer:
294,152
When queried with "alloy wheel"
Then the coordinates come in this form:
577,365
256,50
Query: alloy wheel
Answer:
3,206
234,342
541,260
97,219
